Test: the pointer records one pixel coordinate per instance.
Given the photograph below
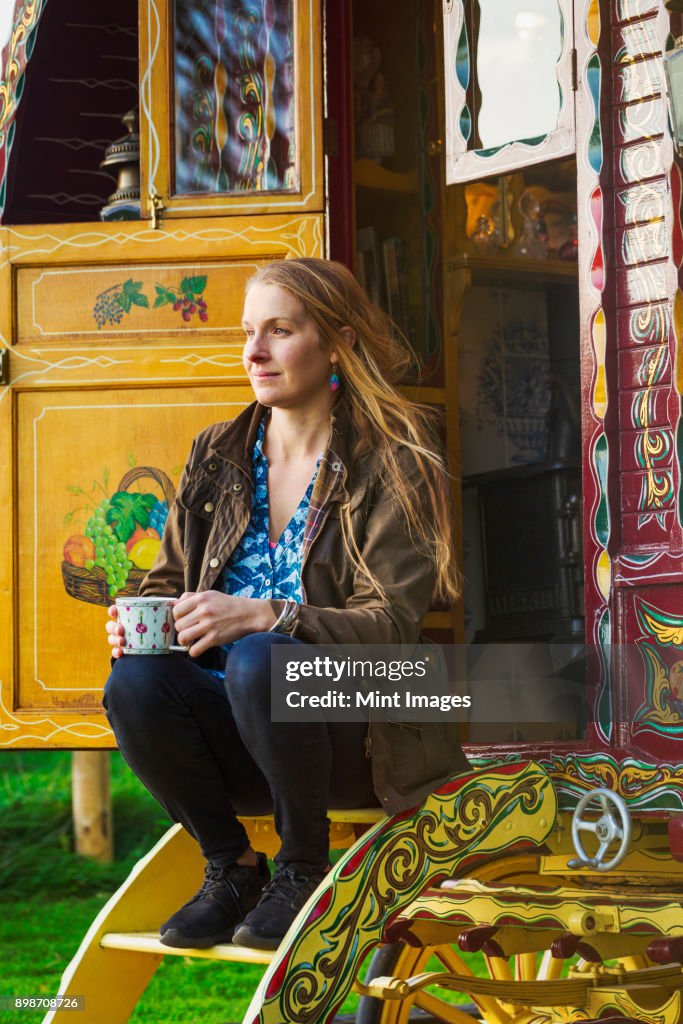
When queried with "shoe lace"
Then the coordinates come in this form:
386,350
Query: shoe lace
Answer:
292,886
214,878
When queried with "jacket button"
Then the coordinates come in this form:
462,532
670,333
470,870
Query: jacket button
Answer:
336,466
214,563
237,488
213,467
209,507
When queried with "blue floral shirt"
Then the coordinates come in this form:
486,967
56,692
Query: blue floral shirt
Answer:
257,567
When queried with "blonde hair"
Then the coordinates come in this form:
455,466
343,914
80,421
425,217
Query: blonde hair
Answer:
384,421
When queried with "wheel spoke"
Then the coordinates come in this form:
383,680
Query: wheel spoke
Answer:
605,804
443,1011
602,850
525,967
452,961
587,826
499,968
551,967
491,1009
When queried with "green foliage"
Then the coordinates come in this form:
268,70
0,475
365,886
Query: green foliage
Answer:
192,286
126,509
36,837
40,930
164,296
131,295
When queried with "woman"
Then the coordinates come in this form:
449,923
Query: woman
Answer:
356,560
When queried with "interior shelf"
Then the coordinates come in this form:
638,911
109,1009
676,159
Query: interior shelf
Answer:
370,174
507,268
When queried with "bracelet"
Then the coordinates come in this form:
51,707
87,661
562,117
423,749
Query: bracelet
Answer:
286,619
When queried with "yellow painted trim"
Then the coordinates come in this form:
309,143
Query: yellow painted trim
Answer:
678,334
604,574
599,334
148,942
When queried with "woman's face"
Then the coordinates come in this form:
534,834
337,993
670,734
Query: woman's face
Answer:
283,355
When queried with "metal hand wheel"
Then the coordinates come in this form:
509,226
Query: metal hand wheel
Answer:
613,825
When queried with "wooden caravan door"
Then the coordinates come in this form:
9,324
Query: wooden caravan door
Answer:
120,341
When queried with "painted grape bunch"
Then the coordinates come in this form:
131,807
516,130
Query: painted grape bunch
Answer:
158,516
109,552
107,309
110,305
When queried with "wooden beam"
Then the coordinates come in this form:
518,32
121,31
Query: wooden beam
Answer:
91,804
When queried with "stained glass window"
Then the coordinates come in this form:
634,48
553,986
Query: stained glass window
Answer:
234,85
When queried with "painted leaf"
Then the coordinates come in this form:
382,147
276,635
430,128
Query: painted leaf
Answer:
164,296
132,287
139,300
122,525
124,301
191,286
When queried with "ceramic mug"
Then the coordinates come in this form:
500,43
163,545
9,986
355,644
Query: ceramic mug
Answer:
147,624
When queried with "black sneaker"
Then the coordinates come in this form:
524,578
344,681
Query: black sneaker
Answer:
265,926
225,896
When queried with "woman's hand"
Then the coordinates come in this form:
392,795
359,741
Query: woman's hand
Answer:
116,636
211,618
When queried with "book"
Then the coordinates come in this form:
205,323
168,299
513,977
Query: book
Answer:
396,263
368,270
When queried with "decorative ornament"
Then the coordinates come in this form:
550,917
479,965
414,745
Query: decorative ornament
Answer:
334,380
123,156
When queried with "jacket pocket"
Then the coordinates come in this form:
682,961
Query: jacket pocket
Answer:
201,496
409,759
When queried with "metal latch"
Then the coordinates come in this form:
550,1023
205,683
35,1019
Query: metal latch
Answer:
156,205
4,366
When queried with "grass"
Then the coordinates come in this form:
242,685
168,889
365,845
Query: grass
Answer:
49,896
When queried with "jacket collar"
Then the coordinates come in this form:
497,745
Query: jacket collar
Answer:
236,443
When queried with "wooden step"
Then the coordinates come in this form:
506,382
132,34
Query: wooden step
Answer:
148,942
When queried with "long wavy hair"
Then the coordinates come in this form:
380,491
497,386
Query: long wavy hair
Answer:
384,421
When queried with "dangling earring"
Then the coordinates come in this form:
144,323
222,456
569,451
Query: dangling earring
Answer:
334,379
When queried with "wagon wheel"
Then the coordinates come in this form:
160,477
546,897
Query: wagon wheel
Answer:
403,961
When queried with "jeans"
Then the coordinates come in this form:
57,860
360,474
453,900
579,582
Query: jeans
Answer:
207,753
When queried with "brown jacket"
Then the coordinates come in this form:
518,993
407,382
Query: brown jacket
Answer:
206,522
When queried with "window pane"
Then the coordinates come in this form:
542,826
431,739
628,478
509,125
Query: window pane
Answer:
234,96
519,45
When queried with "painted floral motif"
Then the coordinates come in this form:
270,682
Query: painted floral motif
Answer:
148,627
187,299
111,304
662,708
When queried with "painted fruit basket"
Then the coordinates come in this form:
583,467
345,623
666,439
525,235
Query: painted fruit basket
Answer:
122,538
